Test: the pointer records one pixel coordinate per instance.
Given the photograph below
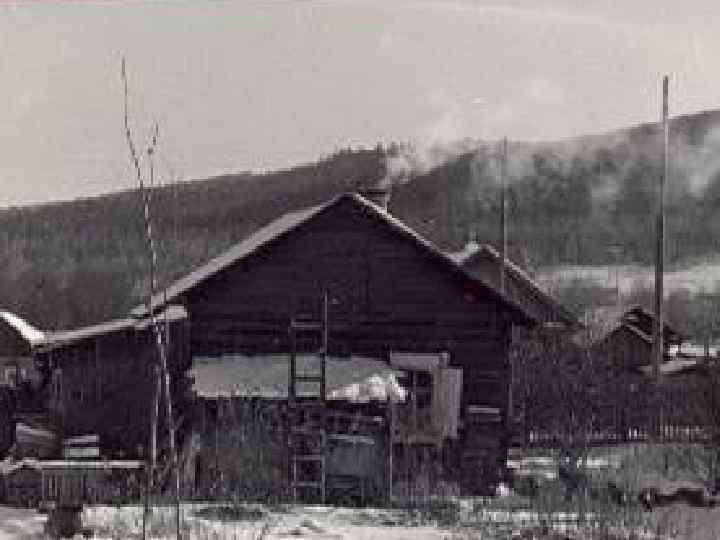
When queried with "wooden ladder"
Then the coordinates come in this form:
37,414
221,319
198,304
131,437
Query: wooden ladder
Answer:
307,431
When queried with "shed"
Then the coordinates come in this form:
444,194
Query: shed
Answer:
99,378
629,342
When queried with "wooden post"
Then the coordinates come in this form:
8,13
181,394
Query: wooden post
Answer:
325,344
151,461
390,415
171,437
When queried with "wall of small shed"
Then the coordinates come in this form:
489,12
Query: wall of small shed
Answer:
107,386
626,349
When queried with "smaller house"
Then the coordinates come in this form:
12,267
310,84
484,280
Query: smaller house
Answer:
628,347
629,342
484,262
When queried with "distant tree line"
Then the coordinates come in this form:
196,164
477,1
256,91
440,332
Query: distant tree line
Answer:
74,263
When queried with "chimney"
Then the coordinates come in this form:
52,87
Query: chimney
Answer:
378,195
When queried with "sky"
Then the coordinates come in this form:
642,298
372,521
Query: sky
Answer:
261,85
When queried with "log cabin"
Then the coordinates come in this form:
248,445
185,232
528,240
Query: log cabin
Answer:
392,294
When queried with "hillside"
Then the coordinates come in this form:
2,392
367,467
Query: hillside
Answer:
82,261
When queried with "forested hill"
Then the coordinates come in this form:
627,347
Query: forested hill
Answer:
80,262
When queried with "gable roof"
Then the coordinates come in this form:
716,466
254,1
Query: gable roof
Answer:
643,321
287,223
632,330
637,321
474,252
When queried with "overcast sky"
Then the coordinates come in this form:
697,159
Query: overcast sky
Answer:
252,85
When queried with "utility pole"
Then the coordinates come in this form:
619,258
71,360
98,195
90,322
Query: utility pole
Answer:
658,349
503,210
509,424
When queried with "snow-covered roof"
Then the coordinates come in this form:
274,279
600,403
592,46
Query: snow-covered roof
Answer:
357,378
27,331
54,339
673,366
636,320
291,221
644,320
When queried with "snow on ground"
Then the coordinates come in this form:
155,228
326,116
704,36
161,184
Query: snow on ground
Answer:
490,519
292,522
320,522
20,523
329,523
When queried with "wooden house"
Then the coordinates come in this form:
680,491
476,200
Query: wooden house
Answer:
627,347
391,293
484,262
629,343
99,379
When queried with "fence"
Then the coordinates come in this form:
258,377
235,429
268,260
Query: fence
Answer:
667,433
687,407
